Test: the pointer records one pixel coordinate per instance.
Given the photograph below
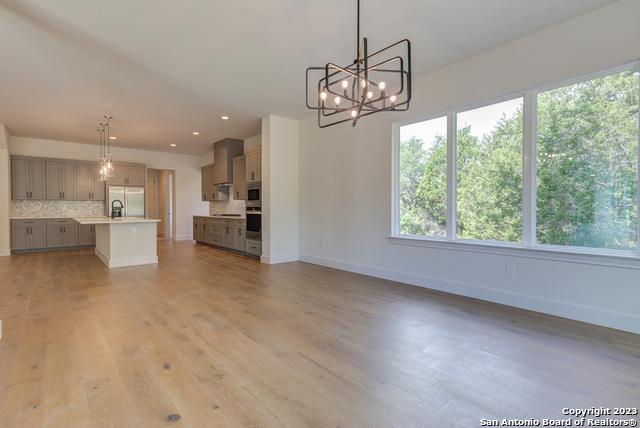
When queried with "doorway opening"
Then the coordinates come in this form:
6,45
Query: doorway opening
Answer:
161,200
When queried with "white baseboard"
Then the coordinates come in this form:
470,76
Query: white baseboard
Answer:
280,258
184,238
5,252
621,321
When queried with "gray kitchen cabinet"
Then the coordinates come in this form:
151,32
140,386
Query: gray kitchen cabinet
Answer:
222,232
89,187
86,234
27,178
205,179
135,175
239,178
253,165
215,234
62,181
254,248
239,238
127,175
28,234
62,233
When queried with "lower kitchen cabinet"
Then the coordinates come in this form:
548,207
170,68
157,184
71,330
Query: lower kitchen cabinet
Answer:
28,235
62,233
86,235
222,232
52,233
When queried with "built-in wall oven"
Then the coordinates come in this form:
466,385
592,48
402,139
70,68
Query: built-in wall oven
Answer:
254,231
254,194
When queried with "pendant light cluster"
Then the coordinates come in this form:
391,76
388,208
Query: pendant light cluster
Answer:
373,83
105,169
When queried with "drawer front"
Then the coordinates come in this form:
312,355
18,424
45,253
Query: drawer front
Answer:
28,223
60,221
254,247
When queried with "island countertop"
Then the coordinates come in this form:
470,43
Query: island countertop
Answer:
116,220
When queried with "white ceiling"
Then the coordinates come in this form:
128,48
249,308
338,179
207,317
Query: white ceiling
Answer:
164,68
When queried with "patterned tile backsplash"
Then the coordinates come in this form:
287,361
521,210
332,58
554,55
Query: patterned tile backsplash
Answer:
56,208
232,206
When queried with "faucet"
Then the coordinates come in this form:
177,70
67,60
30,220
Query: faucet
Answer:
116,211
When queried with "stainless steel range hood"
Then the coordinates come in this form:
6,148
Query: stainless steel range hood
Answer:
223,153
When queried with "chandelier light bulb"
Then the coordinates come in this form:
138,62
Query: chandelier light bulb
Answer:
345,84
363,83
392,98
337,100
354,113
370,94
323,95
382,86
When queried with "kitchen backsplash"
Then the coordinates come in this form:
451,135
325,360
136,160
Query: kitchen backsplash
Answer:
30,208
232,206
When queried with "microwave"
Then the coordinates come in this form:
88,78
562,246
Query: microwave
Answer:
254,194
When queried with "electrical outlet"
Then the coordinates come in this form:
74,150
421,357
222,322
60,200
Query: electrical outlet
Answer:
510,270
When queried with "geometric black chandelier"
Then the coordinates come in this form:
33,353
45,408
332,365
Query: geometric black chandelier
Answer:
376,82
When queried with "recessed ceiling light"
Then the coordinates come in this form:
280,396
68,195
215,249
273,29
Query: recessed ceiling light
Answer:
225,118
195,133
113,138
172,145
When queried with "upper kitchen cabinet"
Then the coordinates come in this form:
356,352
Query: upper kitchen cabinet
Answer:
62,181
89,187
206,180
127,175
27,178
253,164
223,153
239,179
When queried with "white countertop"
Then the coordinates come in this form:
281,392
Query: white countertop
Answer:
116,220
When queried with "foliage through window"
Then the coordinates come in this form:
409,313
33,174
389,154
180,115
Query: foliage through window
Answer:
489,172
583,178
423,178
587,160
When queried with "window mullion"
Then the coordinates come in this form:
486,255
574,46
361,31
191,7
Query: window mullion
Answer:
529,171
451,175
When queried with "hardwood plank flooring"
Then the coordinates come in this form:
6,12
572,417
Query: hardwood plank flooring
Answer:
208,338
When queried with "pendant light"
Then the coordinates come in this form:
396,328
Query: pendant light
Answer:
373,83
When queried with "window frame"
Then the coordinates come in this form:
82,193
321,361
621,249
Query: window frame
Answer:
529,247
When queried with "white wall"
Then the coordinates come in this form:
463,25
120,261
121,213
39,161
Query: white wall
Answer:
187,171
280,217
345,180
5,191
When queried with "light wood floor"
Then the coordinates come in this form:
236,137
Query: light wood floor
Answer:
208,339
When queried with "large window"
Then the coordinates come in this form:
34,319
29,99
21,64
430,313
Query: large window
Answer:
423,178
587,162
554,168
489,172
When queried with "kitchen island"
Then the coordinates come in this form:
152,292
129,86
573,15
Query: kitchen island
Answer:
124,241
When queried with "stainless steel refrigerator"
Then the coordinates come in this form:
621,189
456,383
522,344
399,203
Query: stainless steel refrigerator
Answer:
131,197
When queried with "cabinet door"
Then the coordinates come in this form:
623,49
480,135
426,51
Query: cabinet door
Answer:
239,179
70,235
213,189
19,179
204,182
37,179
119,175
69,180
253,166
240,241
215,234
86,234
54,182
135,175
19,238
37,237
85,180
98,191
55,238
